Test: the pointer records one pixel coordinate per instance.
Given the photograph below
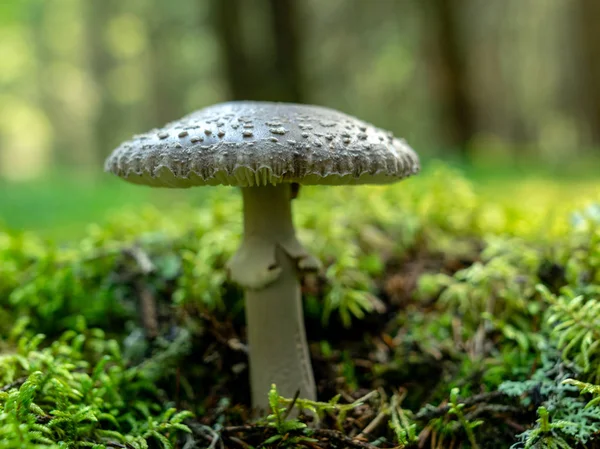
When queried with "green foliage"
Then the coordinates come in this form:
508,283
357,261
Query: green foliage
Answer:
583,259
563,416
446,424
78,392
317,409
278,419
575,326
497,288
546,435
504,310
456,409
404,429
585,388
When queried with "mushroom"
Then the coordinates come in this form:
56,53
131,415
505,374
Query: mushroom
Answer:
267,149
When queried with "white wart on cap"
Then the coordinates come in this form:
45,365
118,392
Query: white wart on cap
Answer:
249,144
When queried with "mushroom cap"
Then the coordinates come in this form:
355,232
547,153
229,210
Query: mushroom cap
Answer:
261,143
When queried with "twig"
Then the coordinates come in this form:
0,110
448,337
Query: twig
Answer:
205,432
374,424
146,297
339,437
240,442
116,445
148,306
17,383
515,425
456,332
334,435
43,419
492,408
365,398
215,438
478,346
190,442
214,328
428,413
141,258
424,436
291,405
246,428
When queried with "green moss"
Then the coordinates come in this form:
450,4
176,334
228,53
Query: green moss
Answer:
432,293
77,391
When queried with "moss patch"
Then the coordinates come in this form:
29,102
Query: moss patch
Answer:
444,317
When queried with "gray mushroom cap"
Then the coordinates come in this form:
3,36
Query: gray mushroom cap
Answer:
260,143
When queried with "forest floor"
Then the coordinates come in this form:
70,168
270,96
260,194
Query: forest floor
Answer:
451,313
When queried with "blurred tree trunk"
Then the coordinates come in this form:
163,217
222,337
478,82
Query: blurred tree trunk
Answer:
166,93
275,73
448,72
589,41
287,58
100,62
241,75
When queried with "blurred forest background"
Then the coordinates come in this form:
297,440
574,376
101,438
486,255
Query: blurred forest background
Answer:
489,83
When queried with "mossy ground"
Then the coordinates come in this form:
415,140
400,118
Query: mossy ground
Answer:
447,316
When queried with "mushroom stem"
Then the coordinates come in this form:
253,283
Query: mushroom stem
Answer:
267,266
